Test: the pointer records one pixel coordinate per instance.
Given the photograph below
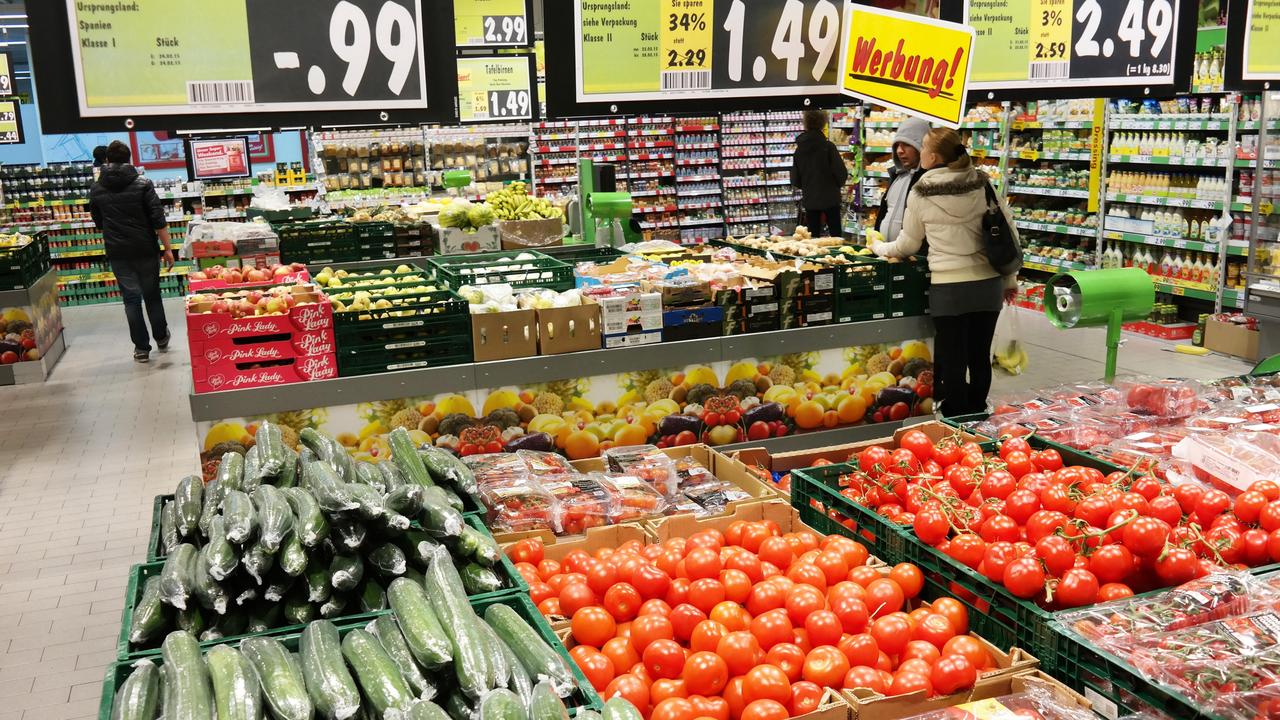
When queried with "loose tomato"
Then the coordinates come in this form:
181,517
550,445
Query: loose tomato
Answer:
766,596
788,657
621,654
737,585
953,673
765,710
909,682
663,659
673,708
706,635
630,688
824,628
970,648
825,666
771,628
647,628
766,682
953,610
802,600
705,594
666,688
740,650
623,602
909,579
596,667
935,629
593,625
702,563
891,633
651,581
526,551
710,707
862,676
805,697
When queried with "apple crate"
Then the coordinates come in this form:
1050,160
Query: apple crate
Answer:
257,350
256,375
425,330
295,276
536,270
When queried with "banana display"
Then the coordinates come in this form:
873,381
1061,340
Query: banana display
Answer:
1010,357
513,202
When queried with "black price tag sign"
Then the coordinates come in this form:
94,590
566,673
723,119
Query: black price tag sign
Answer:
505,29
509,105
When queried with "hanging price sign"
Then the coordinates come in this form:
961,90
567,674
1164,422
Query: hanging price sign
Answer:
491,23
1073,43
1262,41
158,58
638,50
495,89
10,122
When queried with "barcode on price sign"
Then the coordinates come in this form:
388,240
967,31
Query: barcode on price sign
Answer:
686,80
1049,70
219,92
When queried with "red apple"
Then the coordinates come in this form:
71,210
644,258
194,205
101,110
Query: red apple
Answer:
281,270
8,357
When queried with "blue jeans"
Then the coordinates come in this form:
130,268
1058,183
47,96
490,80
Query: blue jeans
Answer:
139,281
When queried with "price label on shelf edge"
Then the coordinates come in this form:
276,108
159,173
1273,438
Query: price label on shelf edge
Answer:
636,50
492,89
1072,43
490,23
247,56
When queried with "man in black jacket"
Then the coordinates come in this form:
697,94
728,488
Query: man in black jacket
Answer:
819,171
127,210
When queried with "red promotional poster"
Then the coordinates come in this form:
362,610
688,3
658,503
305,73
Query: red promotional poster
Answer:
212,159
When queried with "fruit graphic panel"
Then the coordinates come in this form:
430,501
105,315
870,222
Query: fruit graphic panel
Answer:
717,404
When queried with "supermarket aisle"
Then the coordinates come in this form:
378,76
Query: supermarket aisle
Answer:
83,455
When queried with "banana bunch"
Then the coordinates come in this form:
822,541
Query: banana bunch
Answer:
514,203
1010,357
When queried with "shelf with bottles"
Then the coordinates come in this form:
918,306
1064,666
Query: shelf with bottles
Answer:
27,186
1167,189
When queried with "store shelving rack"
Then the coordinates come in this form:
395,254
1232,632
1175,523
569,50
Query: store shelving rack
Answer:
508,169
744,174
650,167
697,140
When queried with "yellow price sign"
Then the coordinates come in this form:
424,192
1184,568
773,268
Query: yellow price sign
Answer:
685,34
979,153
1050,31
1028,155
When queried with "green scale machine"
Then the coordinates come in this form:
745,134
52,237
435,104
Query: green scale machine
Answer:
604,216
1092,298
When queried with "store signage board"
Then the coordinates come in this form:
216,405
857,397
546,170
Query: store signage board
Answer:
1056,45
496,89
1252,55
492,23
10,122
149,59
915,64
217,159
6,75
674,54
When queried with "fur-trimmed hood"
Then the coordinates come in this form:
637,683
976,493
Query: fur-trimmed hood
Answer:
958,193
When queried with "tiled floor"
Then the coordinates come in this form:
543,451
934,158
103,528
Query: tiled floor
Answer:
84,453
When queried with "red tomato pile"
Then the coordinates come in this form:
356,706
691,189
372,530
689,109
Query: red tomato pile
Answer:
1064,536
751,624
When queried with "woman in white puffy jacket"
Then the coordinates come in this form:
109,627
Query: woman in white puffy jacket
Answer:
945,208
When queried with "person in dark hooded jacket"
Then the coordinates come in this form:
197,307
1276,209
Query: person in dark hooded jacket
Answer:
125,207
819,171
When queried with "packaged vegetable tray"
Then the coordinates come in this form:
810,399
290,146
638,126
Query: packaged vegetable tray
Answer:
646,462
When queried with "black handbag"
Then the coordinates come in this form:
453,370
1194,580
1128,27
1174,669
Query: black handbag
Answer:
1000,239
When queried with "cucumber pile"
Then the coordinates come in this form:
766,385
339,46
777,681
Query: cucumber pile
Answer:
431,658
280,538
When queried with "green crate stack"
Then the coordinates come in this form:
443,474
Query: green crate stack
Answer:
861,289
317,243
574,254
426,330
413,240
22,267
536,271
909,287
375,241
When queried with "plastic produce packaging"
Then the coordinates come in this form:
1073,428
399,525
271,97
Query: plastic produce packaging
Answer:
496,467
545,463
647,463
1037,701
580,502
1163,397
1231,462
631,497
519,505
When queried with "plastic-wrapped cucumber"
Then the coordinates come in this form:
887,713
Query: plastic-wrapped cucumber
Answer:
297,609
422,628
150,616
371,504
439,517
240,516
317,443
501,704
620,709
266,616
275,517
178,575
280,677
188,500
289,474
335,606
342,462
367,474
346,572
373,597
447,469
138,698
330,492
309,522
236,692
546,705
477,579
212,506
207,591
252,470
377,673
449,600
427,710
292,557
388,559
393,642
222,555
459,706
405,456
454,499
229,625
521,684
417,545
278,585
587,714
478,547
191,619
187,690
269,442
406,500
246,595
258,561
541,662
334,692
231,471
499,658
318,587
169,537
348,533
392,478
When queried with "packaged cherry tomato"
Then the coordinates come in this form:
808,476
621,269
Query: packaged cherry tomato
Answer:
518,505
691,472
545,463
715,496
632,498
1231,462
581,502
1040,701
1163,397
496,467
1227,665
647,463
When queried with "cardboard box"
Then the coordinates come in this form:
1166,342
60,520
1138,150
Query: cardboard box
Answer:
207,328
504,335
629,310
524,234
302,369
455,242
1231,339
870,706
633,339
569,329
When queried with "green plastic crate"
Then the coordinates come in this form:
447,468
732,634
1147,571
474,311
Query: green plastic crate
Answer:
909,287
22,267
574,254
501,267
438,334
154,551
857,307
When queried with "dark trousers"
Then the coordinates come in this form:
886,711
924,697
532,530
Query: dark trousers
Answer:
962,361
813,219
139,281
